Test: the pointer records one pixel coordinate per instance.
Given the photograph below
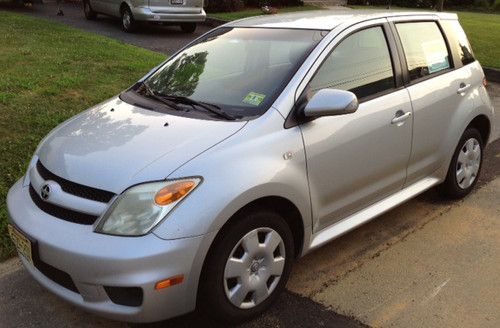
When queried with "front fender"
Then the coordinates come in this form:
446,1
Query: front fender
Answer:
248,166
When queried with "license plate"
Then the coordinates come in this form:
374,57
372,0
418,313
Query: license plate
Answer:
22,243
177,2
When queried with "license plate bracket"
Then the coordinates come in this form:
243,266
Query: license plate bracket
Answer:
24,245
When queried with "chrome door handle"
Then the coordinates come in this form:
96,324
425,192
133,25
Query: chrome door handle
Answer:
400,117
463,87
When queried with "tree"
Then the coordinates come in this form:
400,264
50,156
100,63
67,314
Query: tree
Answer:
439,5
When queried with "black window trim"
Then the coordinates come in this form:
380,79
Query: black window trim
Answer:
402,56
293,118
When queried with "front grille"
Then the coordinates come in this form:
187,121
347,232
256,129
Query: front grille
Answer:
61,212
74,188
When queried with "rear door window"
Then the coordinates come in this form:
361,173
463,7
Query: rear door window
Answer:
424,47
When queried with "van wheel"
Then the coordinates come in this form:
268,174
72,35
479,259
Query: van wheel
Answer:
90,14
465,166
188,27
129,24
247,267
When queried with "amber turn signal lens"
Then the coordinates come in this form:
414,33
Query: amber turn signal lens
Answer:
169,282
173,192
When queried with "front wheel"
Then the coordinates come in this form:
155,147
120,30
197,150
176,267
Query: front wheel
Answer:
129,24
188,27
465,166
90,14
247,268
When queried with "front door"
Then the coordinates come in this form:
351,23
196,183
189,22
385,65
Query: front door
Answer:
357,159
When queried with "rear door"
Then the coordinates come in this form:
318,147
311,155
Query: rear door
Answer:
434,86
357,159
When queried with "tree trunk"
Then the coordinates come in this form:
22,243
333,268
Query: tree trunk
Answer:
439,5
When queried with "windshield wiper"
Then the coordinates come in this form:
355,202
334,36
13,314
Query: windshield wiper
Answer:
209,107
148,92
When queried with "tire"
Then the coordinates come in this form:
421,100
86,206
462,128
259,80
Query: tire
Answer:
465,166
253,286
188,27
90,14
129,24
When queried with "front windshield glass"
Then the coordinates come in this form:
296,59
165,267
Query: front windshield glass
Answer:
239,70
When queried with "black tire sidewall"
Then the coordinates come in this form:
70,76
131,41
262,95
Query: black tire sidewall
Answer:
450,186
212,297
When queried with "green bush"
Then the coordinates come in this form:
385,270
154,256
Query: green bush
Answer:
496,6
481,3
217,6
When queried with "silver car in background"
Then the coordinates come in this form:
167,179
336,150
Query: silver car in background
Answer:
185,13
201,184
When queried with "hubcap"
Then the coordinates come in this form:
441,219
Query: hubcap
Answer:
254,268
469,160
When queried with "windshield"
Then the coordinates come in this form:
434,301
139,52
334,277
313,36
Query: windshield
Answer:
239,70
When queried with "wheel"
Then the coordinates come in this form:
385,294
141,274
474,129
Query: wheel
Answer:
188,27
129,24
90,14
247,267
465,166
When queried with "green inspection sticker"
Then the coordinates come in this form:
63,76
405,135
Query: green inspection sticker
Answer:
254,98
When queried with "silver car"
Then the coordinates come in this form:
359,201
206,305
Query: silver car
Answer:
185,13
201,184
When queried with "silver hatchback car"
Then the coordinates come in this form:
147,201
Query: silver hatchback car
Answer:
185,13
256,143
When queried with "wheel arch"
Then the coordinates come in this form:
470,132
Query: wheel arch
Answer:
123,6
284,207
483,125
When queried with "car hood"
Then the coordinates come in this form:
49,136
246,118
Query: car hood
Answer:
111,145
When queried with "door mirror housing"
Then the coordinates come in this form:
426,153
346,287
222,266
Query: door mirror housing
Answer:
331,102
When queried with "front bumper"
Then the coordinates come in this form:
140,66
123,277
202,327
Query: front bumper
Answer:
168,15
95,260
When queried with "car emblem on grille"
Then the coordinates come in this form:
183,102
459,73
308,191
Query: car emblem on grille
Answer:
45,192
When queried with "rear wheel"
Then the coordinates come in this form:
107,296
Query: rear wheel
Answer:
247,268
188,27
90,14
129,24
465,165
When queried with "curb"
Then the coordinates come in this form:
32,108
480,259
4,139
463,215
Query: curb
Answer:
492,74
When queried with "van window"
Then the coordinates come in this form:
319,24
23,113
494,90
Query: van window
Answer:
361,64
424,47
458,41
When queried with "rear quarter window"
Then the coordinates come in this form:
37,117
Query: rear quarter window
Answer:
424,47
458,41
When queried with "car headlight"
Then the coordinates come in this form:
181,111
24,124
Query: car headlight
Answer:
140,208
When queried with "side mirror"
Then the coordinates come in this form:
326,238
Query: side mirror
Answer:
330,102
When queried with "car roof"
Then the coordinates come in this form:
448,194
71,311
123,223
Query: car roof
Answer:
327,19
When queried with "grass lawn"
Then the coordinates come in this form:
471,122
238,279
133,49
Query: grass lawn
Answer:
484,34
48,73
257,12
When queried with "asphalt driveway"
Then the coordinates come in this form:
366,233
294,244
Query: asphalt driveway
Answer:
165,39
